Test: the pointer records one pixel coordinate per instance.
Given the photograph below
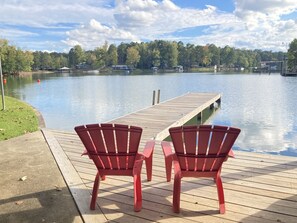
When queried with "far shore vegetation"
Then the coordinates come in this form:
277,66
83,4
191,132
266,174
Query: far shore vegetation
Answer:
16,119
158,54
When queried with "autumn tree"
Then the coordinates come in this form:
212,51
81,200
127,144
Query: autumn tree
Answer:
46,61
145,56
214,53
228,56
76,55
182,54
37,60
122,53
155,57
112,55
292,56
100,54
132,56
24,61
14,60
172,54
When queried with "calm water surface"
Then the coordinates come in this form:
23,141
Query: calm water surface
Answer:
263,106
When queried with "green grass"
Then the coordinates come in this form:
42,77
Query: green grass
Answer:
17,119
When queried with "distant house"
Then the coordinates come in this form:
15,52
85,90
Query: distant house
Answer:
121,67
64,69
155,69
82,66
179,68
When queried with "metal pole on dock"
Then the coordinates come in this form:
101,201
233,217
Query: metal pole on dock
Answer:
154,95
2,87
158,97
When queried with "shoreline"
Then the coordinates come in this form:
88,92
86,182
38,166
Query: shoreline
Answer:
29,73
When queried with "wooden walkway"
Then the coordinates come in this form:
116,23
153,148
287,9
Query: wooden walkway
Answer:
156,120
258,187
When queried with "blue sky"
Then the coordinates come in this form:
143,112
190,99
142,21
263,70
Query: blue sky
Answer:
58,25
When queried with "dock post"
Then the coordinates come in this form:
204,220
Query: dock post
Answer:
158,97
154,95
199,117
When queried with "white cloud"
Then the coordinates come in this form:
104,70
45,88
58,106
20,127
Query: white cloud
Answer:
95,34
165,17
258,26
9,33
263,20
167,4
136,4
268,7
47,13
149,20
253,24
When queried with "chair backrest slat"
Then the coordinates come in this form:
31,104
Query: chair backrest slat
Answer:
202,148
217,137
108,134
122,144
190,138
134,140
204,132
176,134
96,137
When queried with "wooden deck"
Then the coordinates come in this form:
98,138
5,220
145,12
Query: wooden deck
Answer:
258,187
156,120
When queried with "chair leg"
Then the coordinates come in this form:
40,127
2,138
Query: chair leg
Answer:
220,190
176,193
137,193
149,166
95,191
168,167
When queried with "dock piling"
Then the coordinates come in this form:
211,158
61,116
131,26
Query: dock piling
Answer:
158,97
154,95
156,100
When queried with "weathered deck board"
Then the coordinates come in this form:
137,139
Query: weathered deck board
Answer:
258,187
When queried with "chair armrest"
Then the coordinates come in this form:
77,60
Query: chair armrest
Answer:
166,147
146,155
148,149
231,154
85,152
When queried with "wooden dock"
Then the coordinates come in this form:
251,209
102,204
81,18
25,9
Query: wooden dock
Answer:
258,187
156,120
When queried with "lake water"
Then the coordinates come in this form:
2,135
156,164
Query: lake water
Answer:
263,106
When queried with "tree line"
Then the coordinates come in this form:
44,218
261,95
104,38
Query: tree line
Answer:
145,55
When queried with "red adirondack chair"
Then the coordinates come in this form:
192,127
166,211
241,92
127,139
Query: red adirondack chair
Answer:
114,150
199,152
